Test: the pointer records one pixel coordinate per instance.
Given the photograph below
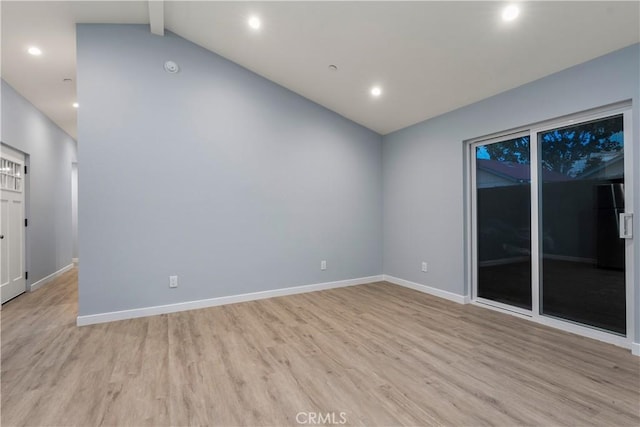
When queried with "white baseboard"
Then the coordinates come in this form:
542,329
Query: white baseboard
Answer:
460,299
74,261
40,283
635,348
212,302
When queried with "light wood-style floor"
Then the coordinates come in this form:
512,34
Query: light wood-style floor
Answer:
382,354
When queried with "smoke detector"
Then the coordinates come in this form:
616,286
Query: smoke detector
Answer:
171,67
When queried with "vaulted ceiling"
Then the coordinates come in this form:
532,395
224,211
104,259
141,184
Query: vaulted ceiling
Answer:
427,57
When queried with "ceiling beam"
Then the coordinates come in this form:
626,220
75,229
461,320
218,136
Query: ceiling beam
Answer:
156,17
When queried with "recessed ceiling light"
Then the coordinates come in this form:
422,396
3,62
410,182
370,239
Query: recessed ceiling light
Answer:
254,22
75,105
510,12
376,91
34,51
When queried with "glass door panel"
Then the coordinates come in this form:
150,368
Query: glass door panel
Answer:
581,175
503,216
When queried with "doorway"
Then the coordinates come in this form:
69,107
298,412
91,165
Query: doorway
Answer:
12,233
550,232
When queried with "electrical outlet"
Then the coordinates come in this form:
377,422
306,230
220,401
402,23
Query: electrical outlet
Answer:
424,266
323,265
173,281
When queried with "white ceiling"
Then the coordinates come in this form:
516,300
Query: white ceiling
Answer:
428,57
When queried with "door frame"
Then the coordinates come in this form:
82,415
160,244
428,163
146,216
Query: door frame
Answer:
473,145
17,156
534,314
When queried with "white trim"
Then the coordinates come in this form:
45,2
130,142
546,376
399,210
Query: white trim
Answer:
536,214
40,283
112,316
630,175
585,331
460,299
472,209
503,306
635,349
74,261
494,307
469,232
545,124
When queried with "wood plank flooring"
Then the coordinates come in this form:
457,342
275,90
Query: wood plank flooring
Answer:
379,353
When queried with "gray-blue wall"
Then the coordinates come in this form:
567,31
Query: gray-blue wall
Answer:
238,185
214,174
51,152
424,172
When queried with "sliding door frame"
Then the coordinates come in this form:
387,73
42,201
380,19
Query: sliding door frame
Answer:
474,220
535,313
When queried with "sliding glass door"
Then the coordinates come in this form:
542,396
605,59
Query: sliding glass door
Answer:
581,195
503,194
549,222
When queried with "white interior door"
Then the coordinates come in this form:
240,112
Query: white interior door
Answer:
12,253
